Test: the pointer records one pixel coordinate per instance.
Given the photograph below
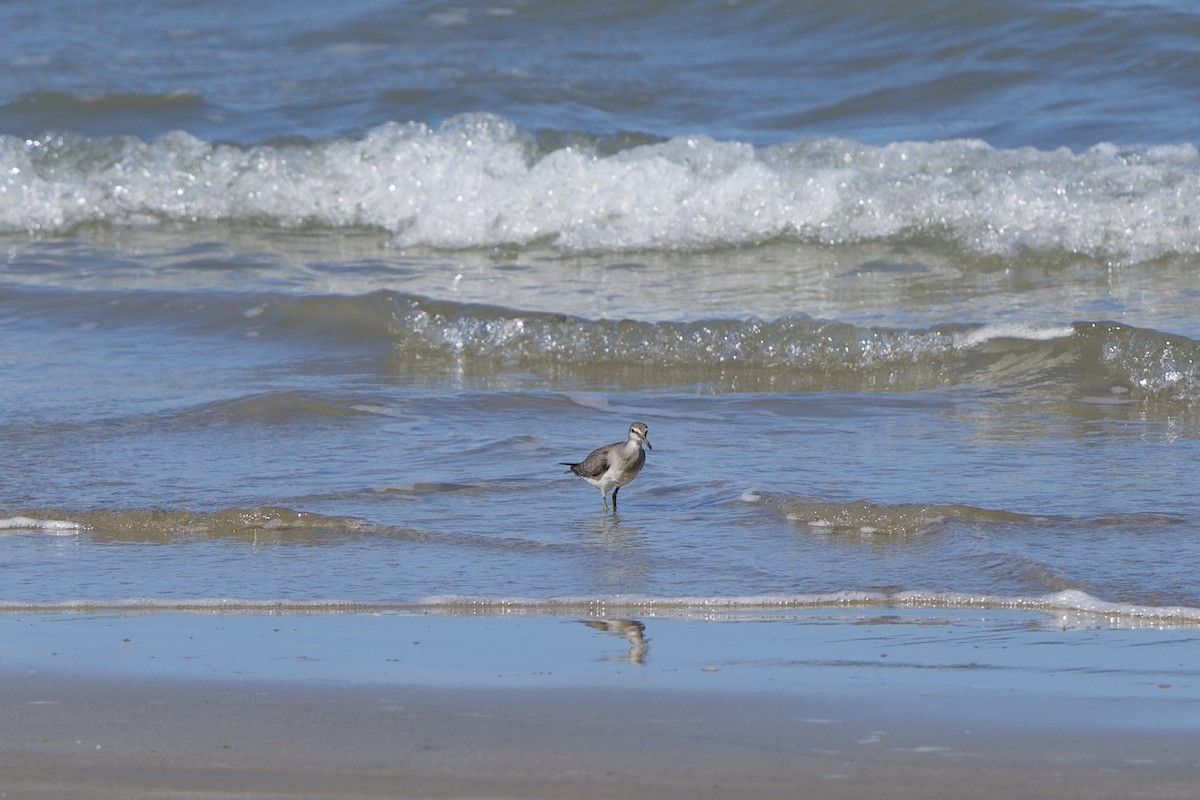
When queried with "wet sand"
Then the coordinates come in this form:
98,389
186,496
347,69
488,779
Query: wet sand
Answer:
115,738
147,723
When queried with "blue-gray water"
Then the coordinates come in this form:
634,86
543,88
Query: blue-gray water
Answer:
302,306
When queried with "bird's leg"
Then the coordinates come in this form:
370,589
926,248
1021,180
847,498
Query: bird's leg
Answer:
615,497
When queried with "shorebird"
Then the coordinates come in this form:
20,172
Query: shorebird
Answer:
610,467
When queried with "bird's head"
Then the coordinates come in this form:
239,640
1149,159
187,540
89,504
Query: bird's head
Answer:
638,433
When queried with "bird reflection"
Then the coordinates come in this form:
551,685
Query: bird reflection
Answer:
630,630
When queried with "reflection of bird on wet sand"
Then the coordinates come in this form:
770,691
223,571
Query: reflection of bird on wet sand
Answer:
630,630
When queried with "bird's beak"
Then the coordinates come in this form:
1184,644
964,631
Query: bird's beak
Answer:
648,445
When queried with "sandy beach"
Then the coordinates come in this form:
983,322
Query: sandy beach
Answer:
133,739
588,724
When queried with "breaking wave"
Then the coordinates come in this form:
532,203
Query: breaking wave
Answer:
1101,362
1094,362
164,525
479,182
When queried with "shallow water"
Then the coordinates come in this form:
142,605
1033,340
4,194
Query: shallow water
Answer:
862,680
299,315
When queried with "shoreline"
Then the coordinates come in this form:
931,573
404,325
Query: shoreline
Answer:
365,706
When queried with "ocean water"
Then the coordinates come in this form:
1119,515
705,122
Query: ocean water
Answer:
301,307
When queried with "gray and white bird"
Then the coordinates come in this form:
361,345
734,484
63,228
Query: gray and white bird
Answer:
610,467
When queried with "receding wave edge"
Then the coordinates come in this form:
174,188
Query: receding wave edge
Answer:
1072,607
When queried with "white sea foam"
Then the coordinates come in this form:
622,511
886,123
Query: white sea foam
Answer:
477,181
1068,602
1037,332
52,526
1072,608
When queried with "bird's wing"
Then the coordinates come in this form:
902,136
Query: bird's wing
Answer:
595,465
